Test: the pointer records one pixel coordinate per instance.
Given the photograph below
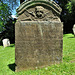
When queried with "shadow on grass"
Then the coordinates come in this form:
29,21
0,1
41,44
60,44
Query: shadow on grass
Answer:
12,45
12,66
71,37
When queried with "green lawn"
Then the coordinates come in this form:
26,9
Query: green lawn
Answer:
7,60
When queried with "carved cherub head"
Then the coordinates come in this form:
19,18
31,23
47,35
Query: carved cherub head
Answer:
39,11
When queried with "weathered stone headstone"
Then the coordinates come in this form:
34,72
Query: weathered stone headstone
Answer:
74,29
6,42
38,35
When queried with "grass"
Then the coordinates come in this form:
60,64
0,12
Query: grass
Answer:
7,60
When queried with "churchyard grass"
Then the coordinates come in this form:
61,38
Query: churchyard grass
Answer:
67,67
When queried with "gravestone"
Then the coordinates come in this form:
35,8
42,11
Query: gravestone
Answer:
74,29
38,35
6,42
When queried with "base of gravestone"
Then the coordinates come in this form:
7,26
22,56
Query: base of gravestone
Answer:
38,44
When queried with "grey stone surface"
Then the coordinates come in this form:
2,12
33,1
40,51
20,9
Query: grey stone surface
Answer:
38,35
38,44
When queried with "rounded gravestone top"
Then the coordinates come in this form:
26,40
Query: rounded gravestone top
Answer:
74,25
30,3
74,28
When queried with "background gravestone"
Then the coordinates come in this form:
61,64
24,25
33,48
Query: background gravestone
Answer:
38,35
6,42
74,29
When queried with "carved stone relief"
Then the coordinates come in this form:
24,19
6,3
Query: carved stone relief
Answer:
39,13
